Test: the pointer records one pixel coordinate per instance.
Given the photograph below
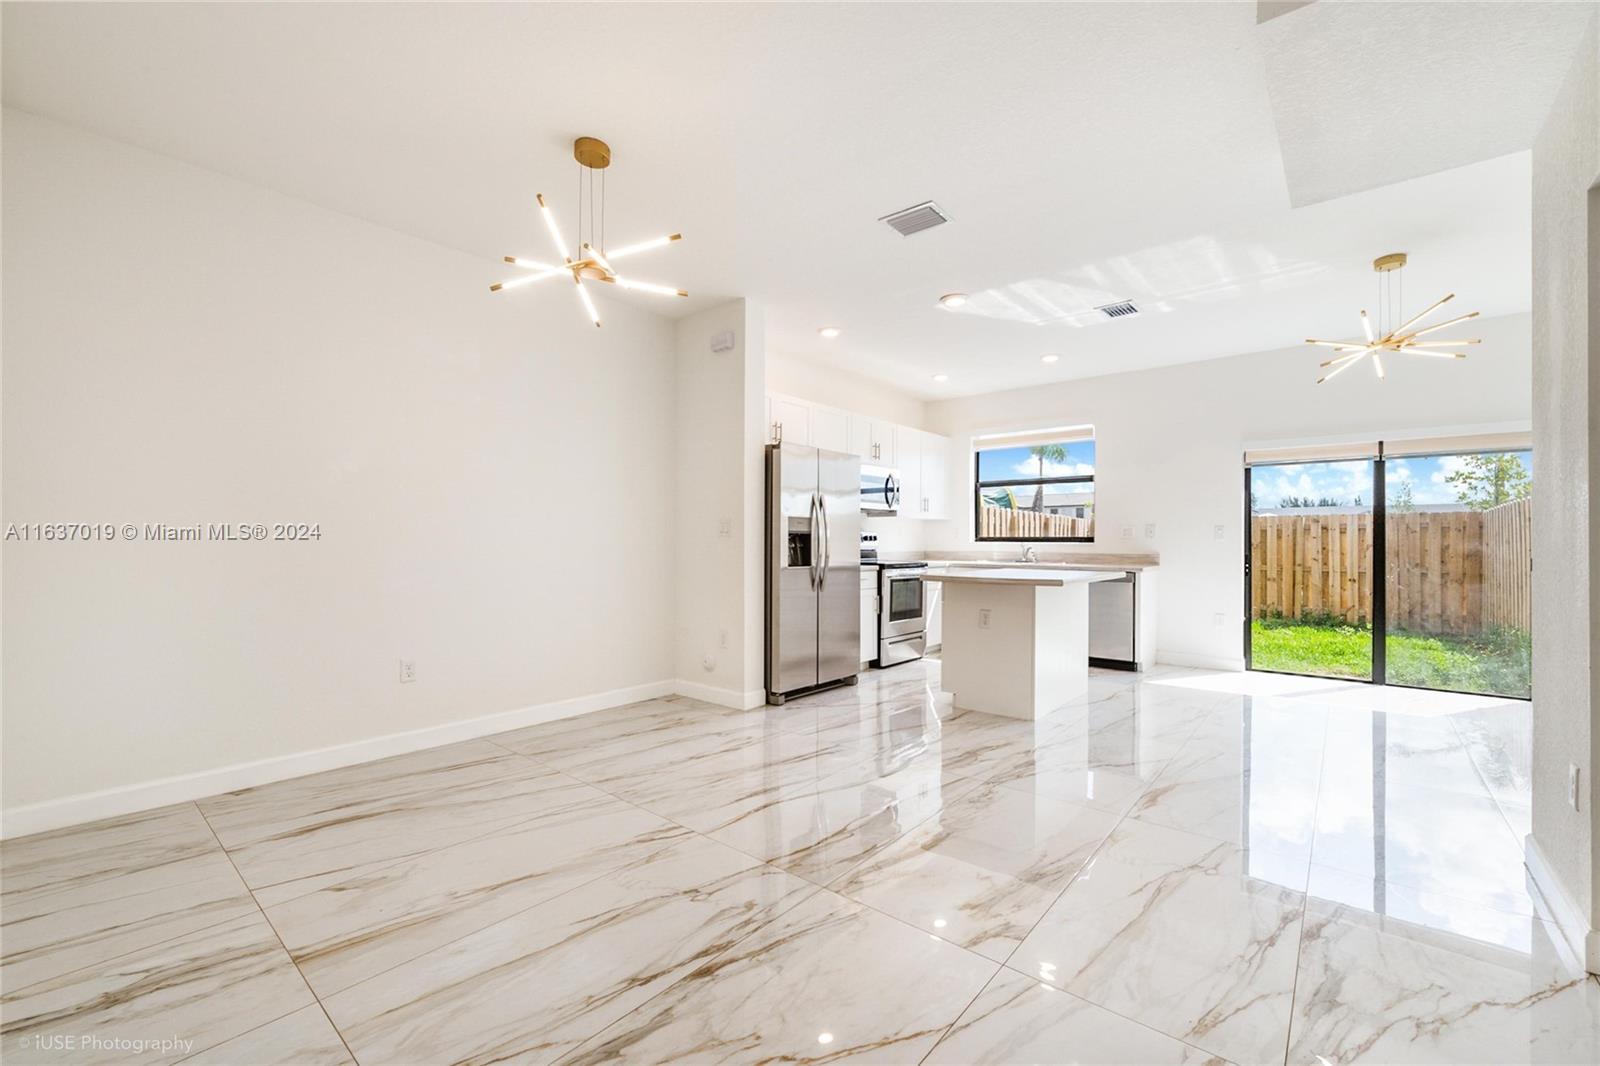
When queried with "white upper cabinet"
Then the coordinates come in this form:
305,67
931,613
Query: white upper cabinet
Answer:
791,420
924,465
830,429
873,440
922,459
935,476
910,442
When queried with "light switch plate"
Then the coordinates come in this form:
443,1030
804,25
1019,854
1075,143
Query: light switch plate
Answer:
1572,785
983,618
1127,532
1149,531
1218,532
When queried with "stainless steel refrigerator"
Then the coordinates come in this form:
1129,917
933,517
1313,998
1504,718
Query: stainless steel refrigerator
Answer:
813,568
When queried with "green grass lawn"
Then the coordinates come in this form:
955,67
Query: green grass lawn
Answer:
1497,661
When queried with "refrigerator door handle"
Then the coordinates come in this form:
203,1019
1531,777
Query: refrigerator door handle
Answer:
816,523
827,548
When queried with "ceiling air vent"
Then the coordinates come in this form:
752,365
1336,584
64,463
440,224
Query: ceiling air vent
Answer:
916,219
1118,310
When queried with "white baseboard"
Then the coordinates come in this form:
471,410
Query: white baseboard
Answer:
1200,662
722,697
128,799
1564,910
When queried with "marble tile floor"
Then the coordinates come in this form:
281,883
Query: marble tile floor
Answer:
1182,866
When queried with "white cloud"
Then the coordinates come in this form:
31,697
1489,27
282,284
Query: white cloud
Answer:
1448,465
1315,481
1030,468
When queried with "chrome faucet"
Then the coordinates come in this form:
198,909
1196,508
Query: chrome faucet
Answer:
1029,555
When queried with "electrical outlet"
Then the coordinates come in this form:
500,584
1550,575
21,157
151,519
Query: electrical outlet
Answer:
1217,619
725,527
1218,532
1127,532
983,618
722,638
408,671
1572,785
1149,531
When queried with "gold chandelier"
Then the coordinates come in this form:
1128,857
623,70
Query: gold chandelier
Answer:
1395,338
595,262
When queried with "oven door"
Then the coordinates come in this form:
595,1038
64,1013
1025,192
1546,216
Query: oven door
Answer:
900,603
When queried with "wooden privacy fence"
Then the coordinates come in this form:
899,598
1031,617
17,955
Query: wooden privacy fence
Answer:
1006,522
1448,572
1508,564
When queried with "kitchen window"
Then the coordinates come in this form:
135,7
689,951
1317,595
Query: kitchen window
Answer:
1035,486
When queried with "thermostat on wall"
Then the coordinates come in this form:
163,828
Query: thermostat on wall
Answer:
722,342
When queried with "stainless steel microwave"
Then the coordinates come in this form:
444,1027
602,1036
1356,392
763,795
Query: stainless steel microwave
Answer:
880,490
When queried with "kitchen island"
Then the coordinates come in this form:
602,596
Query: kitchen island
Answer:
1016,641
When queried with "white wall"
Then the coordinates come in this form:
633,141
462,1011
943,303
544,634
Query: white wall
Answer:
848,392
182,347
720,518
1566,545
1169,446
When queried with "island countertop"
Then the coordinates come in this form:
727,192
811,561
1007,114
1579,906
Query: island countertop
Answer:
1123,561
1040,577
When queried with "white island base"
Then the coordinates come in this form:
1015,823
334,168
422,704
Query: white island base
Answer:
1016,642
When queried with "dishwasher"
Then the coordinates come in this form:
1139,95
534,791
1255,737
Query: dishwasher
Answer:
1113,624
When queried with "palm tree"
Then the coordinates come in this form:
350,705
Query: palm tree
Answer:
1053,453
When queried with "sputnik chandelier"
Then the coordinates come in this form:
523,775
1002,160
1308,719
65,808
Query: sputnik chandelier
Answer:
595,260
1394,338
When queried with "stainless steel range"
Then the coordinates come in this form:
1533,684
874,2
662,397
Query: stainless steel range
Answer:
902,629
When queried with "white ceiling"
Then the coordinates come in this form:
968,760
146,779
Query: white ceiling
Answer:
1085,152
1365,94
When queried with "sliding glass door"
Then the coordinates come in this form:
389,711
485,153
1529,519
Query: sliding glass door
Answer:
1309,571
1459,572
1412,568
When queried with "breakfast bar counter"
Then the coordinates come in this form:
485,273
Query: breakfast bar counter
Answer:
1016,641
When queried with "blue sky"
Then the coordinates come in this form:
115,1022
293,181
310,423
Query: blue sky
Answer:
1344,481
1003,463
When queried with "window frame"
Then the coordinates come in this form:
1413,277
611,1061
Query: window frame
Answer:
1030,482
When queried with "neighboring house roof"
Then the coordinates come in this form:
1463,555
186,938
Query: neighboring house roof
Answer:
1353,509
1052,497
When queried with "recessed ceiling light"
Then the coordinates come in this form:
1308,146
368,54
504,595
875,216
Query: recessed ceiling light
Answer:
1048,358
953,299
941,377
830,332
